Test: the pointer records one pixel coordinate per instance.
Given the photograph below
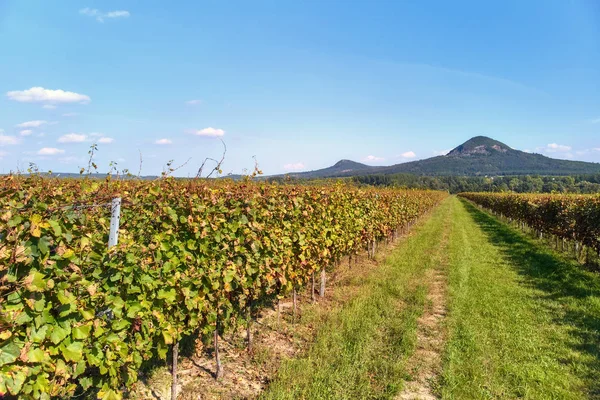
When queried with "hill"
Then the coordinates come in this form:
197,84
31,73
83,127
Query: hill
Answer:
477,156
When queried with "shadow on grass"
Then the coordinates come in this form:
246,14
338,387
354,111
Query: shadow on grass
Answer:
561,280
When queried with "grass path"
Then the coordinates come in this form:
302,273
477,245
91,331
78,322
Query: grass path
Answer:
523,322
465,308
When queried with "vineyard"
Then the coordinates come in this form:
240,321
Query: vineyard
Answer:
77,316
573,218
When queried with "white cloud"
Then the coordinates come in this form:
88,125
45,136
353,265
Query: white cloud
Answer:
209,132
193,102
595,121
106,140
69,114
527,151
441,152
8,140
72,138
100,16
556,148
3,154
31,124
26,132
408,154
49,106
163,141
40,95
49,151
373,158
293,166
118,14
596,149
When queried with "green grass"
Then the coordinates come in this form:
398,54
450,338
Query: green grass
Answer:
360,352
523,321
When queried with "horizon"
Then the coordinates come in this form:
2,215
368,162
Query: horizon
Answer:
297,86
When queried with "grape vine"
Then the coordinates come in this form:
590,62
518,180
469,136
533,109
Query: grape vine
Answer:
192,256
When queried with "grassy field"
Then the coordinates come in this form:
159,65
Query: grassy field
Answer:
521,322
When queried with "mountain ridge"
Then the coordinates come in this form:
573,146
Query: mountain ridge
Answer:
477,156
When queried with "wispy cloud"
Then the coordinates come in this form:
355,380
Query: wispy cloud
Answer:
595,121
70,114
556,148
26,132
31,124
39,94
163,141
106,140
293,166
49,106
101,16
49,151
408,155
72,138
209,132
441,152
8,140
194,102
371,158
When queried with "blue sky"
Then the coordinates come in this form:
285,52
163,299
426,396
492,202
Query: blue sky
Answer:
297,84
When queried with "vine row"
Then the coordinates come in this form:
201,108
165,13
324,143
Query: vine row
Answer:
193,256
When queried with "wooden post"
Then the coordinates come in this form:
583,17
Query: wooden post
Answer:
312,288
249,327
322,289
294,301
174,371
219,370
115,217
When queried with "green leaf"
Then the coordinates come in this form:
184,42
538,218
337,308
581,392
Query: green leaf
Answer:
35,281
168,295
38,335
120,325
109,395
228,275
15,383
58,334
39,305
86,382
86,314
44,245
9,353
73,352
36,355
79,368
81,332
55,227
133,309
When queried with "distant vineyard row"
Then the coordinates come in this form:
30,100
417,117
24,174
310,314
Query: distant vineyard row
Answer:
571,217
192,256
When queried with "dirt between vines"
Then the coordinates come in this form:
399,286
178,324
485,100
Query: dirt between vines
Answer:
426,361
246,374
